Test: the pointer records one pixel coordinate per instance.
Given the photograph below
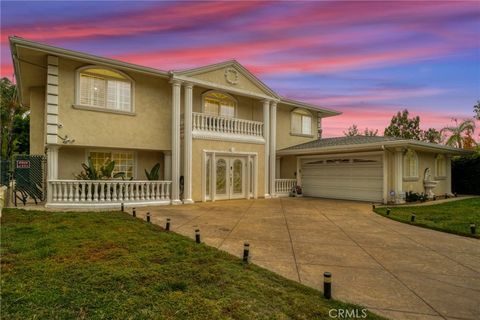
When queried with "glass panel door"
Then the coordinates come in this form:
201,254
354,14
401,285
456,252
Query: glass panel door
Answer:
222,181
238,178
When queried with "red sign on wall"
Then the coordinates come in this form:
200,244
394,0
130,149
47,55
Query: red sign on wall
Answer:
23,164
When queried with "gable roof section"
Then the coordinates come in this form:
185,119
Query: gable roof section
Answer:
228,64
342,144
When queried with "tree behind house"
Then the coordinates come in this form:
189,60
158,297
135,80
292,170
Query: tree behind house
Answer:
15,121
402,126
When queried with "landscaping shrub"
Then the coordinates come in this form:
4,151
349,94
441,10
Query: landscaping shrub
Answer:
466,174
414,197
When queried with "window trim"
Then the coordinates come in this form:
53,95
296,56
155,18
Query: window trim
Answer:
301,112
105,150
410,178
436,176
224,93
78,105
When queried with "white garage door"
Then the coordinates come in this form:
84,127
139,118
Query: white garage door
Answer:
352,178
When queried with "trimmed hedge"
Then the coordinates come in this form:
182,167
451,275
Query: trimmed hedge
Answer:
466,175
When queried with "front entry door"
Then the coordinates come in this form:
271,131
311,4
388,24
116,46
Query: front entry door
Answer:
230,178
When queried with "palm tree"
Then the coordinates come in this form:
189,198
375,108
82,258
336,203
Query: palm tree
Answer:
460,133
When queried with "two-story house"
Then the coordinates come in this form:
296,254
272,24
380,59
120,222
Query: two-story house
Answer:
217,131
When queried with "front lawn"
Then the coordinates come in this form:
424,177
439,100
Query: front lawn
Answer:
453,217
112,266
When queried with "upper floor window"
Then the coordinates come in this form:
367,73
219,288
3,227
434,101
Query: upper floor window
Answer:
219,104
440,166
301,122
410,165
104,88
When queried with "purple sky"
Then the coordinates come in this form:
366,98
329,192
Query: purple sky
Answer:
366,59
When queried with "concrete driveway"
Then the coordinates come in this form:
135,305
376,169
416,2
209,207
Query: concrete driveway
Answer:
396,270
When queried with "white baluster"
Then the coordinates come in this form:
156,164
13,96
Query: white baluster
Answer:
95,191
114,191
70,191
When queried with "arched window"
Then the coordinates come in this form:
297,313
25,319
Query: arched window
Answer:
301,122
104,88
440,166
219,104
410,165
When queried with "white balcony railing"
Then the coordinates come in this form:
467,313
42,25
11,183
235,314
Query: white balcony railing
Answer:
107,193
284,186
212,125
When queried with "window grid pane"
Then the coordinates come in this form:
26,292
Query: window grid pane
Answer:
306,125
296,123
105,93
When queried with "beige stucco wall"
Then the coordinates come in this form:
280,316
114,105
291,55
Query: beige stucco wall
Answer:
288,167
149,128
37,120
70,160
218,76
426,160
284,137
199,145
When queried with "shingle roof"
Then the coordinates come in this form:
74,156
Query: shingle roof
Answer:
341,141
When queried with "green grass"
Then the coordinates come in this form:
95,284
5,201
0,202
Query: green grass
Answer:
452,217
112,266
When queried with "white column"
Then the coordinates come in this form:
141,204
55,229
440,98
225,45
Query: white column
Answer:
299,171
176,89
273,147
448,165
187,142
266,136
385,176
167,165
398,170
52,168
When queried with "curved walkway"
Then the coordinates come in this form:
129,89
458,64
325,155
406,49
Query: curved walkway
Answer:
394,269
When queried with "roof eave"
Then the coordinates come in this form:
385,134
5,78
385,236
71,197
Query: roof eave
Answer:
20,42
375,146
325,112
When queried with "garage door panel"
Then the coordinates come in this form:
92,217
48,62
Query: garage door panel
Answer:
344,180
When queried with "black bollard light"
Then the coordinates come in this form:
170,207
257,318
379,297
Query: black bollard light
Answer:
455,194
246,252
446,195
434,198
134,213
412,219
122,207
148,216
388,211
373,206
167,225
473,228
327,285
197,235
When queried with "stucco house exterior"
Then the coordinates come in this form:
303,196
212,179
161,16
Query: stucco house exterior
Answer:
217,131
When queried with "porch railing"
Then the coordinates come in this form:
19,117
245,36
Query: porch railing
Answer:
214,124
284,186
108,192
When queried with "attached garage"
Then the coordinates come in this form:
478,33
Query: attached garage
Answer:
341,177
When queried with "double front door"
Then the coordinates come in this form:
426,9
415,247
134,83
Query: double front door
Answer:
230,176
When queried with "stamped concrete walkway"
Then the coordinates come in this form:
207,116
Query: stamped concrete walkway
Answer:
396,270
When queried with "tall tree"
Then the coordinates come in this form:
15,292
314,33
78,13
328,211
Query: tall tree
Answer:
431,135
370,132
352,131
476,110
460,134
402,126
14,121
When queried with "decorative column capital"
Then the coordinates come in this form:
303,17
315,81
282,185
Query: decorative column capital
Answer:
266,101
188,85
273,104
175,82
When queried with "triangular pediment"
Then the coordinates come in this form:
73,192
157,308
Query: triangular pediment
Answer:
229,74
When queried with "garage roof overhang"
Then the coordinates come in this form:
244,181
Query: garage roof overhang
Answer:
376,146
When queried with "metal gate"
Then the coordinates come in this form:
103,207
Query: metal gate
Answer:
29,178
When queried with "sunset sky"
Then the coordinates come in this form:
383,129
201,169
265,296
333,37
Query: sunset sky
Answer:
366,59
